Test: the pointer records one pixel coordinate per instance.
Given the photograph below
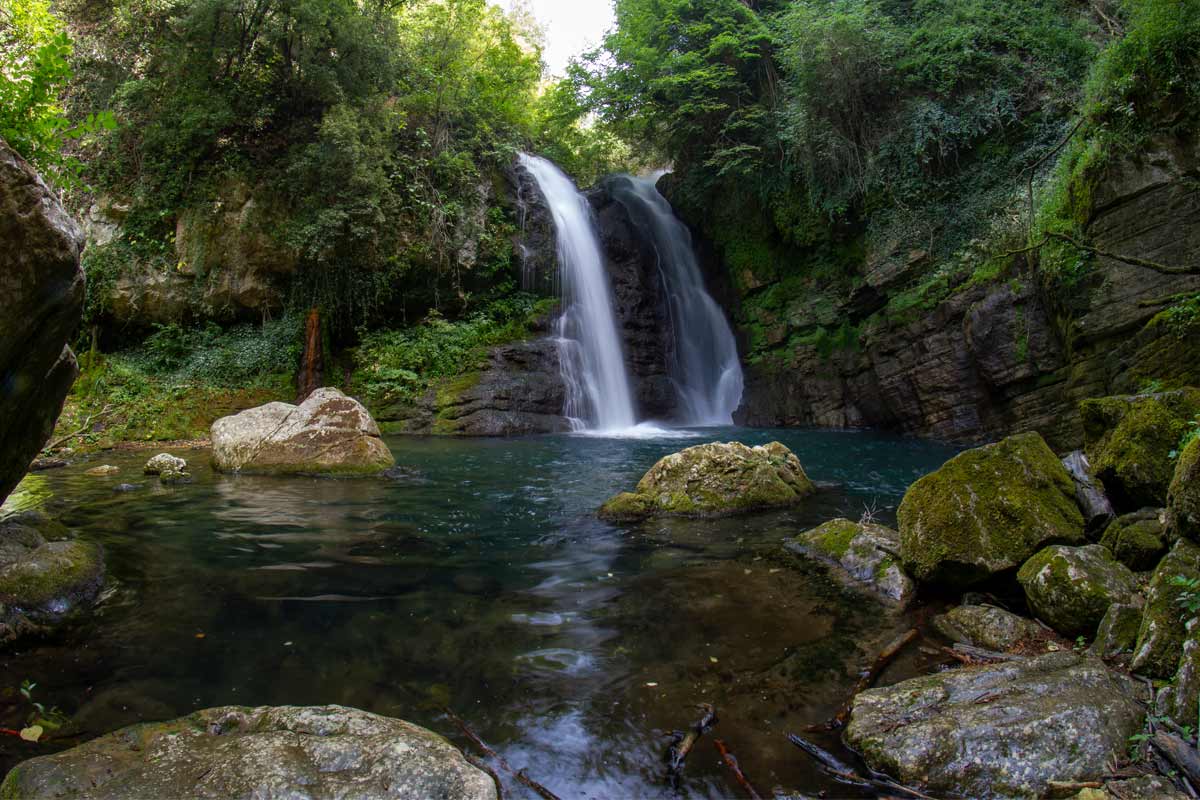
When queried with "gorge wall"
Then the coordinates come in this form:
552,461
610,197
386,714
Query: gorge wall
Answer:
1012,353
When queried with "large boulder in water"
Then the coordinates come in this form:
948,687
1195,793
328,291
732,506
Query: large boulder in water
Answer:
41,304
320,753
1003,730
327,434
714,480
986,511
864,552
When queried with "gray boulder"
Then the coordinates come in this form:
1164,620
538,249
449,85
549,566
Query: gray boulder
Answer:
1118,630
327,434
41,286
269,753
1071,588
986,626
998,731
865,552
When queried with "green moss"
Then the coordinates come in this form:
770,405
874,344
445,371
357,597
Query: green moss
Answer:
1164,624
54,571
1136,540
834,537
626,507
1071,588
1183,497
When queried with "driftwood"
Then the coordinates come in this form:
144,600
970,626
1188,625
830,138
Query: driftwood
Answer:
1097,510
520,775
1180,753
881,786
866,679
683,743
731,761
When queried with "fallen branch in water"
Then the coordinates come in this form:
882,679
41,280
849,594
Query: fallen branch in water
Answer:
844,773
683,743
520,775
866,679
731,761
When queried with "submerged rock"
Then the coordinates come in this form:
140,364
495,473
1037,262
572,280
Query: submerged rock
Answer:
1118,630
986,626
41,304
1183,496
320,753
986,511
1130,439
712,480
103,471
1163,627
864,551
43,582
998,731
1071,588
327,434
1137,540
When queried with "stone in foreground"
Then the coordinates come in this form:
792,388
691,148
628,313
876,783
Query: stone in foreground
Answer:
986,511
998,731
1071,588
328,434
1161,635
1183,497
320,753
986,626
714,480
865,552
41,304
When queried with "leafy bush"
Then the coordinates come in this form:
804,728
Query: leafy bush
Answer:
243,356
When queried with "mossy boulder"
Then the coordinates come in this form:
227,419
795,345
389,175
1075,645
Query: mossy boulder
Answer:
1057,717
986,511
1071,588
1179,700
1163,628
864,552
986,626
1183,496
1137,540
714,480
1118,630
1129,441
269,752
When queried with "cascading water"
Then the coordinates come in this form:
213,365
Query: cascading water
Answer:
593,366
705,369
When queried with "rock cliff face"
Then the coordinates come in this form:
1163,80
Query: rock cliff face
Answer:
41,302
1012,354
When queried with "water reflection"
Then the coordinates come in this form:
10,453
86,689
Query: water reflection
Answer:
487,585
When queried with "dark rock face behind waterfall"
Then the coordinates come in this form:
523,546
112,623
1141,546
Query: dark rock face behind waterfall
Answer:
1007,355
41,301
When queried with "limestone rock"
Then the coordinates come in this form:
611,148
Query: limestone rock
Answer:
1058,717
986,626
327,434
1137,540
1130,439
715,479
1118,630
1071,588
986,511
41,304
322,753
164,462
865,552
1183,496
1162,632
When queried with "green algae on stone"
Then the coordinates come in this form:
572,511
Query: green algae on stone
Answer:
1163,628
986,511
1137,540
1129,441
714,480
1071,588
864,552
1183,496
1118,630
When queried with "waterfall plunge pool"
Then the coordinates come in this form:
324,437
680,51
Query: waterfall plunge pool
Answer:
482,582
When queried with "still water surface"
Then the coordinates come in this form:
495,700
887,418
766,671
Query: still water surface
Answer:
482,582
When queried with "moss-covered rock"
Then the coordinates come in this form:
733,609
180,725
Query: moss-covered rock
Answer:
986,511
1137,540
713,480
1071,588
1163,628
865,552
1129,441
1118,630
1178,701
987,627
1183,497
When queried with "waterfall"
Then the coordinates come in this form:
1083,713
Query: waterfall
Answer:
592,362
705,367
